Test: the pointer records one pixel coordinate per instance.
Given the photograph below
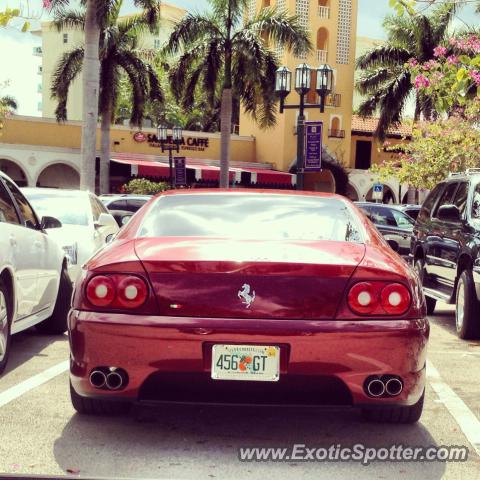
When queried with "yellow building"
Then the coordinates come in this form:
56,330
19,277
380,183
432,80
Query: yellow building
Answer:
55,44
332,24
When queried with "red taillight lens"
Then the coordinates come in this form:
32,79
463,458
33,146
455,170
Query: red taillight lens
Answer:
362,298
131,292
101,291
117,291
379,298
395,299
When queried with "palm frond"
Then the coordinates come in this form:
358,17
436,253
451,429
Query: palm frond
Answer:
68,20
384,56
281,28
66,70
8,102
190,30
370,81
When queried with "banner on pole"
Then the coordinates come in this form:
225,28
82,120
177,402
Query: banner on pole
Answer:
313,146
180,171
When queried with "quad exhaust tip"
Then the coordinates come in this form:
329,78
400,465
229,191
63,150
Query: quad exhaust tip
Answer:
375,388
385,386
108,378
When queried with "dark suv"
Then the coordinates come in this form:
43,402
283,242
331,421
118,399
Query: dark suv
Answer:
446,249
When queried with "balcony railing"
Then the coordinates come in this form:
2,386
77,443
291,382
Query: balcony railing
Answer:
334,133
333,100
322,56
323,12
37,51
40,70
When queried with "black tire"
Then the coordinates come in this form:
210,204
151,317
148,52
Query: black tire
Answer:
467,326
57,323
95,406
420,269
410,414
6,308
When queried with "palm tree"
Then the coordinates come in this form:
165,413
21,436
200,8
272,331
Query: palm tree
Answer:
225,55
386,80
7,103
119,54
96,17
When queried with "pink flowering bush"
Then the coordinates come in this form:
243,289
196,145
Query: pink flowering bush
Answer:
453,77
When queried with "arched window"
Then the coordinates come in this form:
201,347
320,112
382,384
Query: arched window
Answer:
324,8
322,45
266,3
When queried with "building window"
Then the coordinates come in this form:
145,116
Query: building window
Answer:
39,106
301,11
363,155
39,88
344,31
65,38
281,6
251,9
157,43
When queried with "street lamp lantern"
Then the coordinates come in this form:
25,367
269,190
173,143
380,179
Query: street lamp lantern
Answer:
283,82
177,134
162,133
324,84
303,78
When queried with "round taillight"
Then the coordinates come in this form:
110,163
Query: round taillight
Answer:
131,292
395,299
362,298
100,291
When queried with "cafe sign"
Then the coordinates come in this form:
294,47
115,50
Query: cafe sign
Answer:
198,144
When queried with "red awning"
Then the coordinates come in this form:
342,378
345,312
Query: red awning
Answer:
153,166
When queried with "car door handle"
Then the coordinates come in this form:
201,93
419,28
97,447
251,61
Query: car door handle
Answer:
13,241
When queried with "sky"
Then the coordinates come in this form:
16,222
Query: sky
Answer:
19,67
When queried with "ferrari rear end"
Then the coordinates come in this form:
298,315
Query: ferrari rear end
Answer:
249,298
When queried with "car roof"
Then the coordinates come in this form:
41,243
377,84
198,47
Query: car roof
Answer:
55,191
248,191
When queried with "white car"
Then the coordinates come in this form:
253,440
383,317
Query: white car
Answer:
86,223
35,288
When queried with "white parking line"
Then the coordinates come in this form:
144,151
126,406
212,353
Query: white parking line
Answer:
466,419
33,382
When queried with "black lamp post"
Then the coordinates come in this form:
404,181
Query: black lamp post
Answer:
303,78
162,133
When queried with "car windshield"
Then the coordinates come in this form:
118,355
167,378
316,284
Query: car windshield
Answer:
252,216
68,208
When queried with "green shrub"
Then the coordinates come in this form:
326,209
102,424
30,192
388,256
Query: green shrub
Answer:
142,186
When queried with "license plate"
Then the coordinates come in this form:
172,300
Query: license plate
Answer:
246,362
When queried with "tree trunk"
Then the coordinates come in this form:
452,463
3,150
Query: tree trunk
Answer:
91,75
226,131
105,152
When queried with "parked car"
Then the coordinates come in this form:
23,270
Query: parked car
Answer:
263,297
446,249
410,210
35,288
395,225
123,206
86,223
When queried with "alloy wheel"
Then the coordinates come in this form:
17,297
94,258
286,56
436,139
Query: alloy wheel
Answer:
460,308
3,326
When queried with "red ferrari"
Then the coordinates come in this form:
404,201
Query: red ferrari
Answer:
249,297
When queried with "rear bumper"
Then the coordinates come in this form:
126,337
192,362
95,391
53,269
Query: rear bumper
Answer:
322,362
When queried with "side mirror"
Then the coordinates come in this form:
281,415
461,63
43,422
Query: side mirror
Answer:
449,213
50,222
106,220
109,238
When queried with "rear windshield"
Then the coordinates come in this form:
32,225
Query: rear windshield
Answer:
253,216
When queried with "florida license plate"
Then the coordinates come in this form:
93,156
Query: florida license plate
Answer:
246,362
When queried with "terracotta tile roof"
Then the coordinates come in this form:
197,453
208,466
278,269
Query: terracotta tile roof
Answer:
369,125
